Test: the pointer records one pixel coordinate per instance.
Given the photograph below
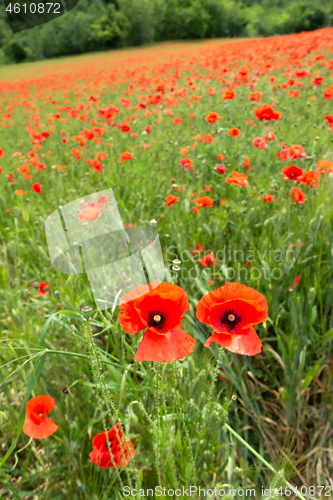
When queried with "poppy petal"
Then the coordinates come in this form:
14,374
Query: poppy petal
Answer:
248,314
39,431
247,343
171,346
129,319
232,291
47,402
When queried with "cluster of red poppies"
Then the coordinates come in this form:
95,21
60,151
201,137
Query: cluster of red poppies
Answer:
158,308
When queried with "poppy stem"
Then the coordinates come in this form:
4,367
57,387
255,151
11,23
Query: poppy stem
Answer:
256,454
102,393
99,400
182,418
211,389
169,440
158,424
19,451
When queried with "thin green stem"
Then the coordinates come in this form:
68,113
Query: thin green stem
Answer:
100,403
211,389
182,418
19,451
256,454
101,385
158,425
170,455
144,411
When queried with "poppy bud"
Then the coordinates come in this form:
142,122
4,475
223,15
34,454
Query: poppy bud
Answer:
35,284
86,312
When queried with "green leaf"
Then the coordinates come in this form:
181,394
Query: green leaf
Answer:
311,374
328,336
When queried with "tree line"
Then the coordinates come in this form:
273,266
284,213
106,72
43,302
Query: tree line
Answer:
106,24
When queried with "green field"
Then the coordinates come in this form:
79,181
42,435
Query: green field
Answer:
279,401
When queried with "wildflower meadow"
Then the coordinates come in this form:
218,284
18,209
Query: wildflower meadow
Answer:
213,380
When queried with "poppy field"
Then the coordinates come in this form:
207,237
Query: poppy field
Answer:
219,376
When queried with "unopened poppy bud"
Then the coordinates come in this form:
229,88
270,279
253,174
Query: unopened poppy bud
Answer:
177,262
56,292
86,312
35,284
175,268
153,222
59,305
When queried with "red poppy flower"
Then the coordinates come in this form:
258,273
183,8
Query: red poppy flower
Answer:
101,454
199,249
297,196
234,132
326,165
177,121
267,112
221,169
204,201
36,425
37,187
207,138
246,163
296,151
284,154
259,142
185,162
159,309
296,281
208,260
268,198
23,169
270,136
228,94
255,96
170,199
293,173
2,154
212,117
231,311
124,127
328,93
237,179
43,288
311,177
126,156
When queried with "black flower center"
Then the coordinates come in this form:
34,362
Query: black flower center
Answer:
230,319
156,319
